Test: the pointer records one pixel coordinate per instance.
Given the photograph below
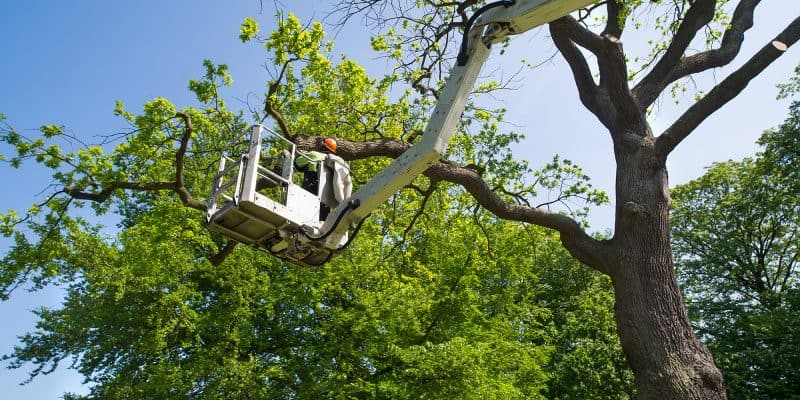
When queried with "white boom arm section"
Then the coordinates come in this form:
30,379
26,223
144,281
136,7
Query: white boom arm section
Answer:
424,153
503,19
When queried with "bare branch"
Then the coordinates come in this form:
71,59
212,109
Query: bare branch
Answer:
613,73
726,90
674,66
613,25
428,30
587,88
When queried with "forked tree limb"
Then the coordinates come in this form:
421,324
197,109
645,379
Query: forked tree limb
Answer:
180,157
729,48
699,15
177,186
588,91
676,65
726,90
616,107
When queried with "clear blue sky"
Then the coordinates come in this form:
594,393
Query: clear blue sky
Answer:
67,63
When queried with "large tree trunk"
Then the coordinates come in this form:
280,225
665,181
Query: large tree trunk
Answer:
667,359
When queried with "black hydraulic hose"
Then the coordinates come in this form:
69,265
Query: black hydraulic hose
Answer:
353,235
338,249
328,258
351,205
461,60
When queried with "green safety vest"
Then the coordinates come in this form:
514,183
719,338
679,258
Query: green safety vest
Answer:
310,161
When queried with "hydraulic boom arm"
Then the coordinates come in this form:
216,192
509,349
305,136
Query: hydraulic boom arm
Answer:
255,200
491,24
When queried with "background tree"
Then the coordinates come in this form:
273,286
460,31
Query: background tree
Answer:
737,245
586,362
437,298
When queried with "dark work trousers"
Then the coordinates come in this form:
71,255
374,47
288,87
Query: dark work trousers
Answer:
311,183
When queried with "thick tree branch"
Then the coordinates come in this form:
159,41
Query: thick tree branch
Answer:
698,16
614,79
180,157
274,113
731,45
621,110
350,150
575,239
579,34
580,245
269,108
218,258
613,24
587,88
726,90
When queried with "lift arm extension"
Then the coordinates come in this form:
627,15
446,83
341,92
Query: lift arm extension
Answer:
497,21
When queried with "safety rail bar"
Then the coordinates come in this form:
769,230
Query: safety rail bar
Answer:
219,189
275,180
290,147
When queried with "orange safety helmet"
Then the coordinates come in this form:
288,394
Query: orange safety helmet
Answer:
330,144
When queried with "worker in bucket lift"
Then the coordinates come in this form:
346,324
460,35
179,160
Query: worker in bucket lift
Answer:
335,173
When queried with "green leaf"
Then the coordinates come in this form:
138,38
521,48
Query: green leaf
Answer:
50,131
248,30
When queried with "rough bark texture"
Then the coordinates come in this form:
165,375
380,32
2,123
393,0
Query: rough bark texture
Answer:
668,360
